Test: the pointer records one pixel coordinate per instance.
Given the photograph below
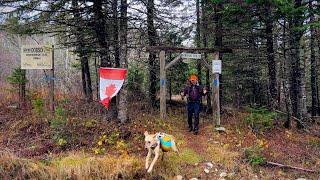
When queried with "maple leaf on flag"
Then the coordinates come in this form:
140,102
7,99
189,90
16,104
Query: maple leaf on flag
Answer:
110,90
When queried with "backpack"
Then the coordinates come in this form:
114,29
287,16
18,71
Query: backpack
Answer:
165,142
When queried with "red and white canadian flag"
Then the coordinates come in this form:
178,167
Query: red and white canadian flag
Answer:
111,81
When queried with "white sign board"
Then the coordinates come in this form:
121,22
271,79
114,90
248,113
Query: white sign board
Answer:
36,57
216,66
190,56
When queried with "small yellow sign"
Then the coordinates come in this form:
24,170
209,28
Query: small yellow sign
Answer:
36,57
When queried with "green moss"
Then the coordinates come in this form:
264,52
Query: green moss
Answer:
173,163
190,157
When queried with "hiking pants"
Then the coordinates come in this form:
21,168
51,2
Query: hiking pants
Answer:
193,108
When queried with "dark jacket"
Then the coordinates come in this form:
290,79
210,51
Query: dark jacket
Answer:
193,93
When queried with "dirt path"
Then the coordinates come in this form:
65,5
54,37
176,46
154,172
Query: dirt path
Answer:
197,143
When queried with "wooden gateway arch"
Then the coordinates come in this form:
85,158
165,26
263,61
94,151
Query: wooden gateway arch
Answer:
185,53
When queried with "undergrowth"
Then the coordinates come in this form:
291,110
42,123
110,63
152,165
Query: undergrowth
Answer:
113,152
58,125
73,166
254,154
222,155
260,119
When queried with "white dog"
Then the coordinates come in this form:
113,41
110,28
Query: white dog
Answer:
155,142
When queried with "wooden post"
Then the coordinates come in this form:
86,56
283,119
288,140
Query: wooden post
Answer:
215,99
97,76
163,82
52,83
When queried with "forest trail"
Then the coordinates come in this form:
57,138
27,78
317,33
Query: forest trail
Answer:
199,142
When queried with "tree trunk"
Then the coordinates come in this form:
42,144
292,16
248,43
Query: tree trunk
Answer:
102,29
22,91
218,43
101,33
313,63
285,74
198,44
255,86
318,94
170,89
198,38
170,77
205,45
97,76
86,78
85,71
296,70
115,32
270,57
303,104
123,104
152,56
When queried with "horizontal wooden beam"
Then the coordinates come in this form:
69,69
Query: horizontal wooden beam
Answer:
184,49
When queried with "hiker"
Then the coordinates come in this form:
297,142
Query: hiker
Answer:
193,91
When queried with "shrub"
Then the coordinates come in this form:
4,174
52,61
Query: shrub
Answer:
17,77
60,120
112,139
90,123
18,80
61,142
254,157
37,106
254,154
260,119
58,124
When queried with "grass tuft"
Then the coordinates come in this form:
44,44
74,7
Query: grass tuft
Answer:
222,155
72,166
12,167
190,157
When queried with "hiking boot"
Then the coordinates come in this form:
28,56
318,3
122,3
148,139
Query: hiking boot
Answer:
190,129
196,131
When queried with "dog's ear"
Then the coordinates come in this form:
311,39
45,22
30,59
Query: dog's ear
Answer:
146,133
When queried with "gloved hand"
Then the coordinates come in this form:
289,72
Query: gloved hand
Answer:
205,91
182,95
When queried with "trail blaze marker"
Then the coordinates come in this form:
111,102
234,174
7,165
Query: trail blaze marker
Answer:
162,82
215,82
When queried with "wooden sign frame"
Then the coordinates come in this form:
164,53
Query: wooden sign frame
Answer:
163,67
